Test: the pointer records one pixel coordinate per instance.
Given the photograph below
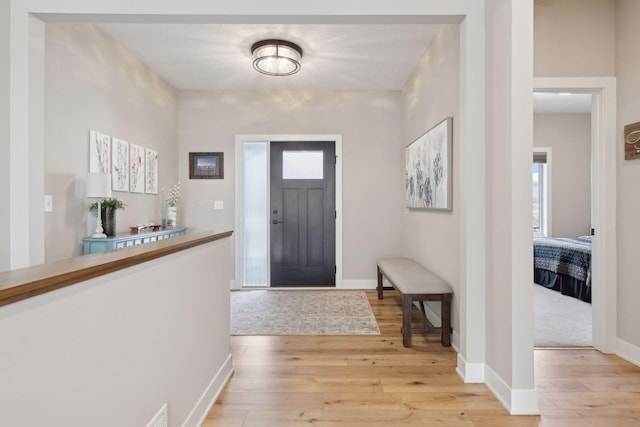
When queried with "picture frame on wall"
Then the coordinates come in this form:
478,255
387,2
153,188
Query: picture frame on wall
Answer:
136,169
151,171
119,165
429,164
99,152
206,165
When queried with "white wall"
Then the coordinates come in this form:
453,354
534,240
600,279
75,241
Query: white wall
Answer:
499,215
5,222
627,71
369,122
431,94
92,82
569,136
509,370
110,351
574,38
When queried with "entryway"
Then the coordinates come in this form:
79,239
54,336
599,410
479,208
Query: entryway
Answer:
288,211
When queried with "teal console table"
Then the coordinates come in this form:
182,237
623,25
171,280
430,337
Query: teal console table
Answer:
92,245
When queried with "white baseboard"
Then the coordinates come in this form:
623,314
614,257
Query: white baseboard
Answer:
517,402
199,413
359,284
628,351
470,372
455,341
524,402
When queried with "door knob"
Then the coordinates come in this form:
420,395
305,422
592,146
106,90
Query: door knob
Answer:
275,222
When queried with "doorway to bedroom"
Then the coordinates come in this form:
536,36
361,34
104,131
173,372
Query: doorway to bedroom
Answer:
562,222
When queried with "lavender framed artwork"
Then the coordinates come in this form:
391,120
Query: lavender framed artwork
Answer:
429,161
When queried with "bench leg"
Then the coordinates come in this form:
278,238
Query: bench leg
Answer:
380,296
406,320
446,320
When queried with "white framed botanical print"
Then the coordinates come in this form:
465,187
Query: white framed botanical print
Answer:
99,152
136,168
151,171
119,165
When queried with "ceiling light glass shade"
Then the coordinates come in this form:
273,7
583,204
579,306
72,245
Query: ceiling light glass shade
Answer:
276,57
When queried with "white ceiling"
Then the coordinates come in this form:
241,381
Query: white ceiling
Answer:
554,102
336,57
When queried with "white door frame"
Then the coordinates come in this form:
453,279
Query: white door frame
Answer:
603,199
241,139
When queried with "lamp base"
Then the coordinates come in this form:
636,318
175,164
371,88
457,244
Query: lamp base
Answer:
99,231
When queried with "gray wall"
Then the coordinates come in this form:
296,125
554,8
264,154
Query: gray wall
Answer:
112,350
569,136
574,38
614,53
431,94
91,82
4,135
628,69
369,122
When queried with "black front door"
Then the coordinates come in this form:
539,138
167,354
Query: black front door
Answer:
302,214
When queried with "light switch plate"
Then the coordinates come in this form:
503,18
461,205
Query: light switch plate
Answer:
48,203
218,204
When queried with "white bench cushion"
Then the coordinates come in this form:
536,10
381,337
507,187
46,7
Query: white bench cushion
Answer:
409,277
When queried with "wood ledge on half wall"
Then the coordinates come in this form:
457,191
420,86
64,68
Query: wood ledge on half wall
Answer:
23,283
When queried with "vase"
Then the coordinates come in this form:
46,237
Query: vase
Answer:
108,221
172,216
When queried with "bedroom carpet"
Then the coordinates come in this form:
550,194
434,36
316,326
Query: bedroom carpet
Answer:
277,312
561,321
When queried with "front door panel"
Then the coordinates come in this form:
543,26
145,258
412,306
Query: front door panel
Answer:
302,214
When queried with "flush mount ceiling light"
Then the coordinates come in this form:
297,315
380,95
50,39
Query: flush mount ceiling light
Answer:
276,57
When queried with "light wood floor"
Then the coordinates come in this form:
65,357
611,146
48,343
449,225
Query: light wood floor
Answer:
375,381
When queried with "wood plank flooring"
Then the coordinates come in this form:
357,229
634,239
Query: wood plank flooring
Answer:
374,381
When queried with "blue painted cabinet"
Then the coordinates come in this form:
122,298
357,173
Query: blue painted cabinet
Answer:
92,245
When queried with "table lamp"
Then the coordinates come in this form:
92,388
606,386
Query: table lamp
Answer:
99,187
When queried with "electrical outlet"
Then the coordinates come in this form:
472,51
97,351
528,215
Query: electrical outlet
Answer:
218,204
48,203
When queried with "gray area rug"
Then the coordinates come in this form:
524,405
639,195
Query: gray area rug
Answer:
561,321
276,312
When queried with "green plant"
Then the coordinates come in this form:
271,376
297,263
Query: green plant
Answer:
112,203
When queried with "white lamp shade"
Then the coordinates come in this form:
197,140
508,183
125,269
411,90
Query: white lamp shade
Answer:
98,184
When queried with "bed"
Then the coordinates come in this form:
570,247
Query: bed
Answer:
564,265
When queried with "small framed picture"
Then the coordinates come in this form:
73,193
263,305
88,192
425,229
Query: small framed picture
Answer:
206,165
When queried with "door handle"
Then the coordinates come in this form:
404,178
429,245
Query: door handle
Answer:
276,222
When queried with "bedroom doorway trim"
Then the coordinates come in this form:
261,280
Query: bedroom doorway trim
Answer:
242,139
603,190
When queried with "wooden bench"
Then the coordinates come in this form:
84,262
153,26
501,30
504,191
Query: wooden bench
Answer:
416,283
